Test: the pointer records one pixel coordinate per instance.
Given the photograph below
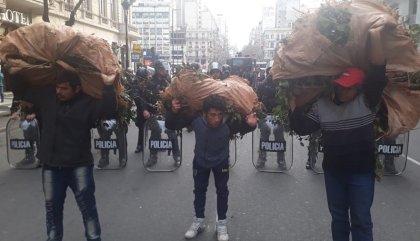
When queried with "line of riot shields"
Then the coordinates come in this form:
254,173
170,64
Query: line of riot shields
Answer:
271,147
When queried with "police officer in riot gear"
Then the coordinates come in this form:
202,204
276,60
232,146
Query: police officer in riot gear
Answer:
159,82
142,75
196,67
225,71
28,125
215,71
267,95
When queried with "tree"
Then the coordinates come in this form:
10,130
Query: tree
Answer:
70,22
253,51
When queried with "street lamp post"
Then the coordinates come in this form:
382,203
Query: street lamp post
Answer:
172,38
126,5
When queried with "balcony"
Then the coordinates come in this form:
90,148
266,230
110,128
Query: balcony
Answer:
35,6
133,31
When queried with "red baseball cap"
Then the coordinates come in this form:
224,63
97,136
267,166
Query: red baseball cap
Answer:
351,77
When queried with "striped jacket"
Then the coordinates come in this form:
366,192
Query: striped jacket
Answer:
348,136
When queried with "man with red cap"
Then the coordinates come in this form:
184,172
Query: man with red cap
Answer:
348,138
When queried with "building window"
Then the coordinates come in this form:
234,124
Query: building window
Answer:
68,5
87,5
114,10
102,8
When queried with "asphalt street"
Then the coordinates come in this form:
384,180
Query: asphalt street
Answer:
135,204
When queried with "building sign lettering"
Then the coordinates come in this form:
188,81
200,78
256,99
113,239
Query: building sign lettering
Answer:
15,17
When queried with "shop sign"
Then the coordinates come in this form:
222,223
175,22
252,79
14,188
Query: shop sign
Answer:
15,17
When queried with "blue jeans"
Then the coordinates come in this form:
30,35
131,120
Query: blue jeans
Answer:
1,93
55,181
350,192
201,182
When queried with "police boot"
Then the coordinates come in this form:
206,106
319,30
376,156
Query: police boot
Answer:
262,158
152,160
280,161
29,159
389,165
104,161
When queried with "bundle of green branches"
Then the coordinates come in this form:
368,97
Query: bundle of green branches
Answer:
334,23
126,113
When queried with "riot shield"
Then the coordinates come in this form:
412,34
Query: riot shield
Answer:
162,151
233,153
272,147
22,143
392,153
109,142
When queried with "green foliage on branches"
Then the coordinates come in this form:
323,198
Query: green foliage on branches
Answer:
334,24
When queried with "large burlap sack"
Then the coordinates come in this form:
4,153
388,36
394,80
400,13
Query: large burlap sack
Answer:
402,109
39,51
375,35
193,88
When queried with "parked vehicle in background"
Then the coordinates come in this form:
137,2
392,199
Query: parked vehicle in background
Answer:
261,65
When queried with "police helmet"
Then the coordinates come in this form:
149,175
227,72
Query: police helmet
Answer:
142,73
108,124
214,67
269,66
158,65
225,68
195,66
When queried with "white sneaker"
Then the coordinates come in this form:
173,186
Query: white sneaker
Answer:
221,229
196,227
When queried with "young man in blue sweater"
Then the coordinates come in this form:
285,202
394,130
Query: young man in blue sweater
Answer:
213,130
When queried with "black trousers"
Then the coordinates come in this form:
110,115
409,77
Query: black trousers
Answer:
201,181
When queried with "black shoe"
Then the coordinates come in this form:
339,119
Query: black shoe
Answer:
390,169
308,165
25,162
103,162
123,162
282,164
152,160
177,159
138,149
260,162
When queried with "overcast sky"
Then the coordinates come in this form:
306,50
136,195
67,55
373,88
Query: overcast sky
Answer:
242,16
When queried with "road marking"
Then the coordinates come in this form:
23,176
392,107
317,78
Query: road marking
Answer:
413,161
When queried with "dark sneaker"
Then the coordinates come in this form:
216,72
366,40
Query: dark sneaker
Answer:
152,160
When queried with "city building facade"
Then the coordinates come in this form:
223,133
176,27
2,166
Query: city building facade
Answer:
153,20
103,18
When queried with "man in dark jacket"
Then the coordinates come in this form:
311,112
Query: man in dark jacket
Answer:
67,117
211,153
266,92
151,95
348,139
